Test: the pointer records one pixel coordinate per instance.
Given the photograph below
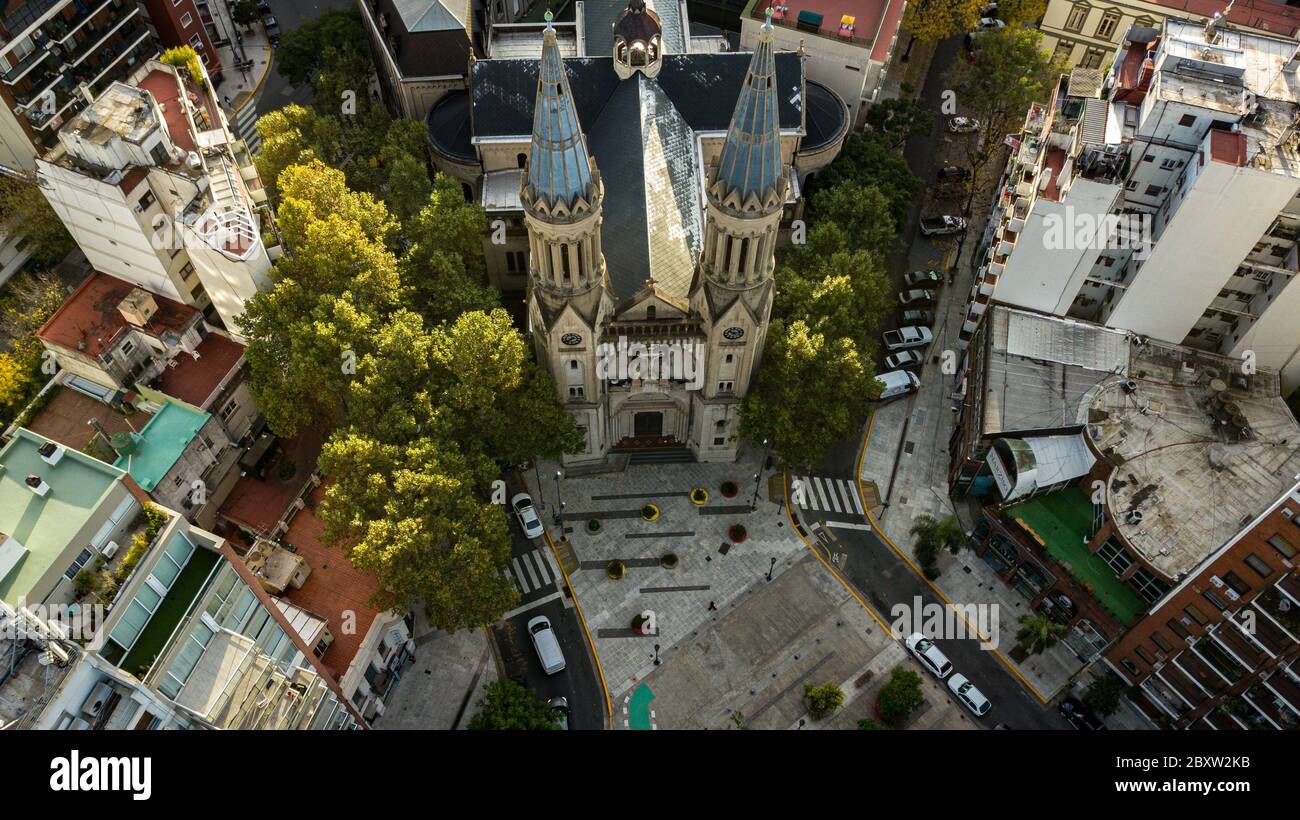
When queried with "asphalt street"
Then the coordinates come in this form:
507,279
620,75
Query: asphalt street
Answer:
276,91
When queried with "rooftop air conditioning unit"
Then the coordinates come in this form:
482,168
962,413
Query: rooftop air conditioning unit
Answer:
110,550
1133,517
51,453
37,485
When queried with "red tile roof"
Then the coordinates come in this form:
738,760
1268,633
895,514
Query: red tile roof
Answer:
256,503
166,92
195,380
90,315
333,587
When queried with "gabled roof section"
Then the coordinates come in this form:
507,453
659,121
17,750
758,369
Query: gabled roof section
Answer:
559,171
750,162
424,15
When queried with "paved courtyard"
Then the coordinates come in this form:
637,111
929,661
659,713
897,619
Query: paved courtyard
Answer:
441,687
749,665
711,569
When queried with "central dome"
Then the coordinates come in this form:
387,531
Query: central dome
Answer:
638,41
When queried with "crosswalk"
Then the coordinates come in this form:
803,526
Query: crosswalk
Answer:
532,571
245,126
826,495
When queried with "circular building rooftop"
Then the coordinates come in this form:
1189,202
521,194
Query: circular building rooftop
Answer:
449,127
827,117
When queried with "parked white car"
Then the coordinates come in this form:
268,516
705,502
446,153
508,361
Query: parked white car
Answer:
963,125
929,655
904,358
905,337
528,520
971,697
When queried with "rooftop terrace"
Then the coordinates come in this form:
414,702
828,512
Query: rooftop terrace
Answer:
45,526
160,444
89,320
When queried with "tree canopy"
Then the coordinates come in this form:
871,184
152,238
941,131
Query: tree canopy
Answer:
933,20
25,212
509,706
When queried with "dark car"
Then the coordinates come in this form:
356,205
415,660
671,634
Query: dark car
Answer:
953,173
263,7
918,317
1079,716
272,28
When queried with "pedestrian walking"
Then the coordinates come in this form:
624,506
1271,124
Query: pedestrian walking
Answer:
713,607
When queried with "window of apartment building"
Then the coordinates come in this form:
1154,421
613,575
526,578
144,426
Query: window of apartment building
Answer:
1193,611
1148,586
718,441
1187,120
146,201
82,558
1145,655
186,19
1258,566
1169,163
1130,667
516,262
1234,582
196,41
128,347
1077,17
1105,261
229,410
1115,557
1092,58
1153,190
1177,628
1064,48
1109,22
726,387
1282,545
1214,600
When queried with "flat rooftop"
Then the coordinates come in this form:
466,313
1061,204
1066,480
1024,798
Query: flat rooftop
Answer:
160,444
66,418
1149,409
45,526
194,379
874,21
89,321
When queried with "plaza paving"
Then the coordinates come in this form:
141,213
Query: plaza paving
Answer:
710,568
749,665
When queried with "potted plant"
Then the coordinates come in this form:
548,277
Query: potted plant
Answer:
699,496
668,560
593,525
737,533
729,489
615,570
649,512
639,623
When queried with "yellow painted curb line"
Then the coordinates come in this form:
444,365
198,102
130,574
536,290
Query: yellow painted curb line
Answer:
604,686
252,94
785,483
862,454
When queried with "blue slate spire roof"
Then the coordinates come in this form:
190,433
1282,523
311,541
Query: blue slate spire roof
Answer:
558,166
750,162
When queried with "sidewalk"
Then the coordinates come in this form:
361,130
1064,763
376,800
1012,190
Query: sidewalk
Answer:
906,465
240,87
710,568
441,688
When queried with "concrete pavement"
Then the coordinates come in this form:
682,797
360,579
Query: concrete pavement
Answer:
441,686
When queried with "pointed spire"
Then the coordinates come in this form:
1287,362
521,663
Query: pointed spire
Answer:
750,162
559,170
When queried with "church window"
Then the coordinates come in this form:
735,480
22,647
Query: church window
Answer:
575,392
726,387
573,364
650,312
730,358
744,251
564,261
721,424
522,159
718,441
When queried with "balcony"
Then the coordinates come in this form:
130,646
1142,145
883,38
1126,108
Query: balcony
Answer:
1285,687
1201,672
1282,609
1231,640
1179,682
827,20
1273,708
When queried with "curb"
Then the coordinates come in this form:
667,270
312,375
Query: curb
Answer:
862,453
252,94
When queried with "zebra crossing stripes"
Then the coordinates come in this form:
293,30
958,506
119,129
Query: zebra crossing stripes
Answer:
245,126
531,571
832,495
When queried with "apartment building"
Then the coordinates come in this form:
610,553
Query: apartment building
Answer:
182,23
53,55
157,191
1086,33
1118,475
59,510
1161,198
422,49
190,641
847,44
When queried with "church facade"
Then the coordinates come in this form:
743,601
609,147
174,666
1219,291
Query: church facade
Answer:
652,192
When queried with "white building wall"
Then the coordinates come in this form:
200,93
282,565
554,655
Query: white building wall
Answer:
1226,210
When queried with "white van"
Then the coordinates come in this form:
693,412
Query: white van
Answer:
548,648
897,383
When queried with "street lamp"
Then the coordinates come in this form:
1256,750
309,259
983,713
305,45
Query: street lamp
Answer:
656,654
771,567
559,502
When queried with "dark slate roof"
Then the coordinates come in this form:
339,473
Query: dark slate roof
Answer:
702,87
750,161
557,166
449,127
599,17
828,118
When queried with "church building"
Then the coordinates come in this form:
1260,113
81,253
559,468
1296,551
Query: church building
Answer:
642,206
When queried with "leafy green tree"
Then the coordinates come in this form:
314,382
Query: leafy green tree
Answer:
934,535
822,700
25,212
294,135
303,51
867,724
1021,12
1038,633
509,706
869,161
934,20
1103,694
901,696
894,121
245,13
798,364
997,89
444,262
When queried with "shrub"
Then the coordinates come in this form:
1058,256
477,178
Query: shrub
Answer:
593,525
1104,693
737,533
668,560
650,512
902,696
186,58
86,582
615,570
729,489
822,700
869,724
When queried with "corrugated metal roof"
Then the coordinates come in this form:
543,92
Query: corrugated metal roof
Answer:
1066,342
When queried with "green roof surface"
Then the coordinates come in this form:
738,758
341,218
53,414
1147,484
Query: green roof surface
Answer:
46,526
1063,520
160,444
